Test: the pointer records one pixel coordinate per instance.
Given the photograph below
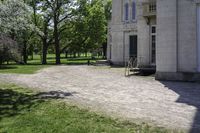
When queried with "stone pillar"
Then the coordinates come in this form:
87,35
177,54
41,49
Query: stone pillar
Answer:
167,40
117,49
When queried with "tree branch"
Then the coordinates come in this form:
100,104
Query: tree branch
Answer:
65,17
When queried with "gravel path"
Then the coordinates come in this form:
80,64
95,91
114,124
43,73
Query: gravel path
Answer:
170,104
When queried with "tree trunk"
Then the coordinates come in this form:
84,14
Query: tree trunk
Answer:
74,54
66,54
31,51
25,53
31,55
44,51
56,39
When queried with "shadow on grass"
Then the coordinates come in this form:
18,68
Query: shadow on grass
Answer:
14,102
2,67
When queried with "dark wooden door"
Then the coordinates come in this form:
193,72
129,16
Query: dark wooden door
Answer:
133,46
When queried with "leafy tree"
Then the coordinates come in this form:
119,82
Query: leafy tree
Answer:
42,22
79,30
61,12
108,9
88,29
96,22
15,19
14,16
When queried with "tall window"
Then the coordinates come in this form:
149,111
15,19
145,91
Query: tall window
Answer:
126,12
153,44
133,11
152,8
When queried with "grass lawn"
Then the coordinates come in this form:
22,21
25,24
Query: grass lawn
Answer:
66,61
24,111
21,69
35,64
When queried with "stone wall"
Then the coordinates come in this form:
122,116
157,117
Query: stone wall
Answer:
177,40
166,48
187,42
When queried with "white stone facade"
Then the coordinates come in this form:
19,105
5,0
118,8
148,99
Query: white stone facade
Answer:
177,36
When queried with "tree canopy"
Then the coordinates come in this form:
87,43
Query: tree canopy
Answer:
14,16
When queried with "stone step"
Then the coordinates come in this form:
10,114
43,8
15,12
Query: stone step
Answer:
146,70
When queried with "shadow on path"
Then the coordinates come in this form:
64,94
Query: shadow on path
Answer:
189,93
14,102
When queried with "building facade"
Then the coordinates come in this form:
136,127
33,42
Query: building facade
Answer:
160,33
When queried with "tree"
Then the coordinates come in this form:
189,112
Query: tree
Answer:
96,22
61,12
42,22
108,15
108,9
15,19
14,16
88,29
95,25
79,30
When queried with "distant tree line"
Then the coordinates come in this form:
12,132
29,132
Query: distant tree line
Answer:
56,26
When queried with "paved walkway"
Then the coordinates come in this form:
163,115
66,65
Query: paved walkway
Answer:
169,104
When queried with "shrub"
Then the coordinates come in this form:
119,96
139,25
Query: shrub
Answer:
9,50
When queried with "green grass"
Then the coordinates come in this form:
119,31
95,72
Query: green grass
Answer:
35,64
23,111
66,61
21,69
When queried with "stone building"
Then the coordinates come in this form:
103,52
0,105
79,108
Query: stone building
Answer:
164,34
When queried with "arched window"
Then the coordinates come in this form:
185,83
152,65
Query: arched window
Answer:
133,10
126,12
